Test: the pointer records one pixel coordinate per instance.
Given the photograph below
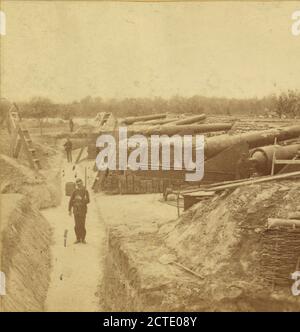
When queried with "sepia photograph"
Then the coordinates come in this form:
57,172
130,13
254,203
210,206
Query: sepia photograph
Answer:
149,158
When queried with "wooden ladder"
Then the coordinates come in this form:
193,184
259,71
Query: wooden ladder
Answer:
104,119
21,137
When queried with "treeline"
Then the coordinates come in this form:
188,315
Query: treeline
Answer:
287,104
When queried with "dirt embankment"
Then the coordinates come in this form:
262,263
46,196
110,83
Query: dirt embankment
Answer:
25,233
134,279
25,256
43,190
224,239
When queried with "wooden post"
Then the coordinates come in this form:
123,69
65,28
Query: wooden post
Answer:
178,208
273,163
79,154
41,127
273,158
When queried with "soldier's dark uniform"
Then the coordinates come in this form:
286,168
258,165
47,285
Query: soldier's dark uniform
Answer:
78,201
68,147
71,125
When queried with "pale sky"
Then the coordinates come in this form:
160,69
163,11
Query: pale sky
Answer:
66,50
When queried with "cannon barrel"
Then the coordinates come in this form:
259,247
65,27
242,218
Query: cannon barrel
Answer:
132,119
187,129
189,120
217,144
263,156
161,121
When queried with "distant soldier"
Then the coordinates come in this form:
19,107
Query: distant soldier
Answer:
71,125
78,203
68,147
244,168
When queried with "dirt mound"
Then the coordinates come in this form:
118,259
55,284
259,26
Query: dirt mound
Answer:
244,266
225,238
17,178
135,280
25,258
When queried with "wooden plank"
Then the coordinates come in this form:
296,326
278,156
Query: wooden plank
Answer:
200,194
277,222
288,168
209,186
256,180
29,156
79,154
239,183
287,162
17,148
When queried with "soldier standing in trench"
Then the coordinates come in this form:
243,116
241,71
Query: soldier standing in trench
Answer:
68,147
78,202
71,125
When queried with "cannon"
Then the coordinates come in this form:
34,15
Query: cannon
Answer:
178,122
161,121
187,129
263,156
190,120
132,119
215,145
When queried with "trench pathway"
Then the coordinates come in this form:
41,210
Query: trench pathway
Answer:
77,269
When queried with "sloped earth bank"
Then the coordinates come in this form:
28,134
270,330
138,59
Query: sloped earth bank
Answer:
224,239
43,189
25,235
25,254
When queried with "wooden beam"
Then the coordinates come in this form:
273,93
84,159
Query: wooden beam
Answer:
79,154
193,198
24,143
287,161
17,148
250,181
275,222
